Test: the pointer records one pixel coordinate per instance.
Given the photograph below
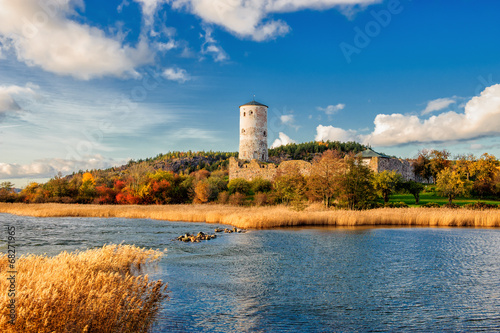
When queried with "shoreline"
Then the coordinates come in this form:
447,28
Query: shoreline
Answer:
267,217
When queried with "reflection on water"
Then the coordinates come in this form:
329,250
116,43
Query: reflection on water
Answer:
296,280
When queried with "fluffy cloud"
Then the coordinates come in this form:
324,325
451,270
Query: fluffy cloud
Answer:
325,133
248,18
10,96
46,168
41,34
176,74
282,140
481,118
438,105
332,109
289,120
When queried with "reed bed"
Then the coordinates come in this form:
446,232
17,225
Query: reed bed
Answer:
271,216
97,290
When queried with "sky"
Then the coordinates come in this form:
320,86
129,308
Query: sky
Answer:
88,84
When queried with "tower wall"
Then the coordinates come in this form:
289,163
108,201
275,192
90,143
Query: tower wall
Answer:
253,132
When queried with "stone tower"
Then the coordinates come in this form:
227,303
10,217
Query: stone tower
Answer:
253,131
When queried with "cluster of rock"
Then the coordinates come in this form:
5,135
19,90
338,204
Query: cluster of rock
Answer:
202,236
195,238
228,231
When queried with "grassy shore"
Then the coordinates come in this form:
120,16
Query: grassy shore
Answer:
269,217
98,290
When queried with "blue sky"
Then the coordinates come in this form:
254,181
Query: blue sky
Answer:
91,84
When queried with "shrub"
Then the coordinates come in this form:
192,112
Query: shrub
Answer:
239,185
261,185
480,206
261,199
237,199
431,205
395,205
223,197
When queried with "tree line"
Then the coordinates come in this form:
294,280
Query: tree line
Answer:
337,178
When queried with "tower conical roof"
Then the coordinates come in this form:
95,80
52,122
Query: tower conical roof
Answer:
254,103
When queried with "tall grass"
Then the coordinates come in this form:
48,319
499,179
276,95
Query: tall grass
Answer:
97,290
270,217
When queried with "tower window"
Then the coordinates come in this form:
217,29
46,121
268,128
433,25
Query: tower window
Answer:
251,112
244,114
243,131
264,133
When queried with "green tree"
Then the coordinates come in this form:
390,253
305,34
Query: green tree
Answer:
387,182
261,185
239,185
414,189
356,187
451,184
289,187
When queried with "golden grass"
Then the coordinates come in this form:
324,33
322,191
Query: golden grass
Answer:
269,217
90,291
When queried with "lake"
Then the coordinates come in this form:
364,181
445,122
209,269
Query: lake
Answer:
302,279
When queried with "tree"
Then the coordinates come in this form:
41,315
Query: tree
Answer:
484,172
387,182
324,181
202,192
289,187
7,193
451,184
422,165
239,185
438,161
414,188
356,187
261,185
465,164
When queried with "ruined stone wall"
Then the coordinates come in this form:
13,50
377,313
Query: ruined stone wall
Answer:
403,167
254,169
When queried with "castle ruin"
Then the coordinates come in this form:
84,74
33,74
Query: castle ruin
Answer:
253,152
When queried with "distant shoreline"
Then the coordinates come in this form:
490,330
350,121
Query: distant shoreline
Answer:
267,217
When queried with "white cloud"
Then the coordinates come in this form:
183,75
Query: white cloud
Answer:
45,168
481,118
330,133
332,109
149,8
176,74
10,97
250,18
210,46
43,35
282,140
438,105
289,120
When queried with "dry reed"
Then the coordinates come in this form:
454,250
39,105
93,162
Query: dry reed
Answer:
91,291
271,216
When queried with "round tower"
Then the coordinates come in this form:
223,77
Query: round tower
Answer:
253,131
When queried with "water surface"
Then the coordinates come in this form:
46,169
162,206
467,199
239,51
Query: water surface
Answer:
301,280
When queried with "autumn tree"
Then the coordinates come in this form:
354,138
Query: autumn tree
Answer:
87,189
387,182
239,185
422,165
7,193
356,187
439,160
324,182
451,184
202,192
464,164
484,172
289,187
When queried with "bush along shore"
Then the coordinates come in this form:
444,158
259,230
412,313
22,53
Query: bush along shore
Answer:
99,290
269,216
